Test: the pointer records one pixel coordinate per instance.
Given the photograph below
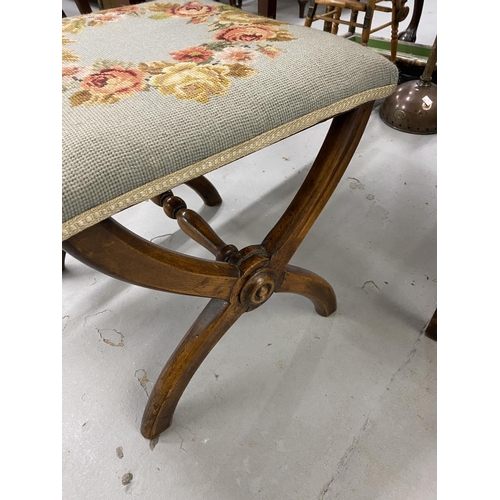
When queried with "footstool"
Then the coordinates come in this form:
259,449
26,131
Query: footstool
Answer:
158,94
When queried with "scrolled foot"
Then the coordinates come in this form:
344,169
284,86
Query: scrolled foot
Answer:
409,35
312,286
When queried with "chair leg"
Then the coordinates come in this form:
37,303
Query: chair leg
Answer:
334,25
367,24
352,22
410,34
333,158
394,31
311,12
431,329
302,8
239,283
83,6
399,14
214,321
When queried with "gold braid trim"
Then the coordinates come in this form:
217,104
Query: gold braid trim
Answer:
158,186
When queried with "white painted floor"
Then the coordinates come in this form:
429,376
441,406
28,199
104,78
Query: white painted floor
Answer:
289,405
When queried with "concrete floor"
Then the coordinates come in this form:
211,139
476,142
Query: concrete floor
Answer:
289,405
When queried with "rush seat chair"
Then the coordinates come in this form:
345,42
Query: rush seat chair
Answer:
158,94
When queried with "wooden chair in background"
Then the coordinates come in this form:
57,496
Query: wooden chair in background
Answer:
334,8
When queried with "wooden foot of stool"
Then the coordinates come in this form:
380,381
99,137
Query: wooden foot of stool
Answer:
193,103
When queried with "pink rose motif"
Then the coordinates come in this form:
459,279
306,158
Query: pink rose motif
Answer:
108,17
233,55
193,9
116,81
192,54
245,34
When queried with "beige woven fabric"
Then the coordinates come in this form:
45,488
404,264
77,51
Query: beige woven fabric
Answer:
160,93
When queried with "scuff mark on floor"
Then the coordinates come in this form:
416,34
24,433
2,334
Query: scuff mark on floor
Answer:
378,211
143,379
344,461
182,442
127,478
356,184
281,364
101,312
187,429
370,285
65,320
109,341
410,356
94,315
119,452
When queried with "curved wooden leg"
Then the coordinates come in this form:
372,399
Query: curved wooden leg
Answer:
206,190
332,161
410,33
112,249
302,8
312,286
214,321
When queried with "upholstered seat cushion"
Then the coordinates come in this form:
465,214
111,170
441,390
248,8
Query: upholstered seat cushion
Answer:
159,93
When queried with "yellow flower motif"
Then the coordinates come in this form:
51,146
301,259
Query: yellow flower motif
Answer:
154,67
241,71
192,82
74,26
68,56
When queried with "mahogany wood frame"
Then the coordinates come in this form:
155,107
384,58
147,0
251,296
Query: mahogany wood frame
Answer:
238,281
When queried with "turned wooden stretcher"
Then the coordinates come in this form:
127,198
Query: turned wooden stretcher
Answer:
135,128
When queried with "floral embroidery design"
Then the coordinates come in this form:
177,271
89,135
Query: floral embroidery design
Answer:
195,73
196,13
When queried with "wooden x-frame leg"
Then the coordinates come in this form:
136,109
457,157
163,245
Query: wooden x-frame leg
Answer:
239,280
